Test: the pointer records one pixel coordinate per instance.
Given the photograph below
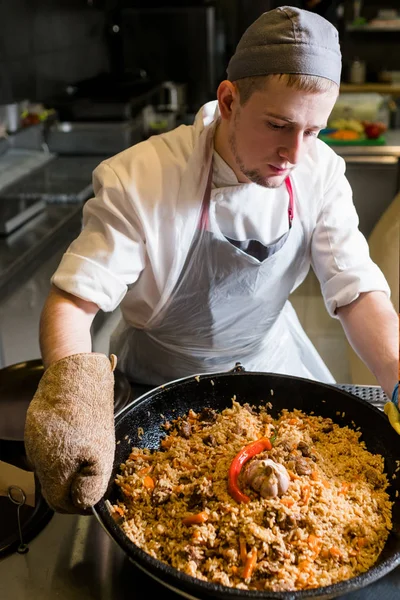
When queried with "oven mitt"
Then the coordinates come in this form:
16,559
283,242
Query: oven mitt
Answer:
392,410
69,431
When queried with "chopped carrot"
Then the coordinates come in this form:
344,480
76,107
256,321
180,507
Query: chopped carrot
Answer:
250,563
287,502
127,490
315,544
326,483
234,569
336,552
145,470
134,456
304,565
167,442
306,493
344,489
243,550
293,476
119,510
314,475
362,541
293,421
148,483
196,535
197,519
187,466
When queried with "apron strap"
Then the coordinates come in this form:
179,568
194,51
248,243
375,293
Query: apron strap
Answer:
289,187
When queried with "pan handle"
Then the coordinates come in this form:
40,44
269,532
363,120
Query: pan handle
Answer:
238,368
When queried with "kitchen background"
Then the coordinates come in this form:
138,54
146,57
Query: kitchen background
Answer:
83,79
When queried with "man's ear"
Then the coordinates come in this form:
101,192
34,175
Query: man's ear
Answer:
227,95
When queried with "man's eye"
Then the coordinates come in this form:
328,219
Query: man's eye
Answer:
274,125
311,133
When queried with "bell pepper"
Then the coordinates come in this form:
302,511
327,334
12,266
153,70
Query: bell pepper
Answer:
236,466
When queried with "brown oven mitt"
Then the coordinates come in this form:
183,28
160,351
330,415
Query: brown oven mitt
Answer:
69,431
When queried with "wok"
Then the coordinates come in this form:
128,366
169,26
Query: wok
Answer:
174,399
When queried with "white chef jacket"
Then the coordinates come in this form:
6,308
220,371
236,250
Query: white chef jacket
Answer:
136,236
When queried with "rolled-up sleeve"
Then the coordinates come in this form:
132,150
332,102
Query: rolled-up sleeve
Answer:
339,251
109,253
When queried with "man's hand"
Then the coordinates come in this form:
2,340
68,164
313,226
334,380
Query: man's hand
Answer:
392,410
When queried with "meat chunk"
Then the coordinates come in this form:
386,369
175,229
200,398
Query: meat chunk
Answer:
304,449
209,440
161,493
201,493
302,466
208,415
194,553
327,427
267,567
373,478
284,445
185,429
288,522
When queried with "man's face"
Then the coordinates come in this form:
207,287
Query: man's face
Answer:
273,131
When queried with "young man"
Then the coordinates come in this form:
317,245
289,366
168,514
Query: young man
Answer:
201,235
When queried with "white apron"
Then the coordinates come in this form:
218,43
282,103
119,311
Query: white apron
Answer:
226,306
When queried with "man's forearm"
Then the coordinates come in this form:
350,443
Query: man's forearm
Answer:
65,326
372,328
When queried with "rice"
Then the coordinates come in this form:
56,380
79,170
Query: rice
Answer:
330,525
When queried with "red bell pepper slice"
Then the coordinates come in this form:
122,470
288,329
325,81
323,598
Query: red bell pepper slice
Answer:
240,459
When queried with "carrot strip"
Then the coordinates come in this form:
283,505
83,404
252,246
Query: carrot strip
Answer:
293,476
344,489
148,483
314,543
306,493
287,502
250,564
336,552
196,519
145,470
362,541
243,550
304,565
314,475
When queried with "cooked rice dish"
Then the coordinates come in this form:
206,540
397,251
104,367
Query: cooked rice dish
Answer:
314,508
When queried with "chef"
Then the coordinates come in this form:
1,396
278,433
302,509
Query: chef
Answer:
200,235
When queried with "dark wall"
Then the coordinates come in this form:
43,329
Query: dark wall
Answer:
46,43
379,50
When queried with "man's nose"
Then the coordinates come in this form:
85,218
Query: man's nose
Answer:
293,147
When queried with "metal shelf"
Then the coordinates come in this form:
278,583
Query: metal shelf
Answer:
372,28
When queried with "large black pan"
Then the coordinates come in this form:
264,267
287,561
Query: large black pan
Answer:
167,402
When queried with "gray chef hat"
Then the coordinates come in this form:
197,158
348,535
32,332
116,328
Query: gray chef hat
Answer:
288,40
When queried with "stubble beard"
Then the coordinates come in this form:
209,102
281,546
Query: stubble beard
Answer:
252,175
